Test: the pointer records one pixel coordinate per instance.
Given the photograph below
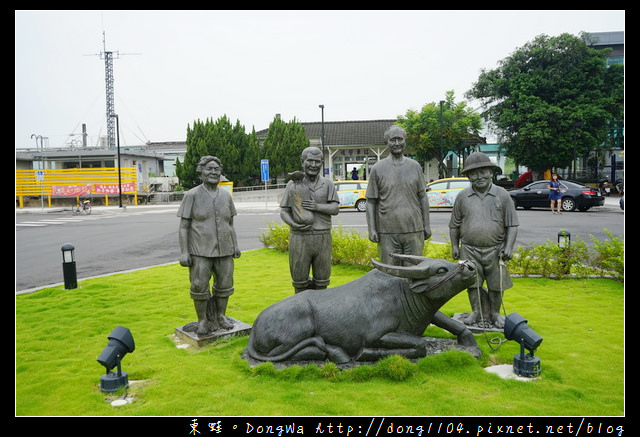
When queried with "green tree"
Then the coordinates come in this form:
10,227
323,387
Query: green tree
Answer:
284,145
296,142
222,139
250,159
552,100
196,148
460,129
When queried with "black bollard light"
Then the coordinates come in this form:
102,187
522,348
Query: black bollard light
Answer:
564,243
564,239
69,267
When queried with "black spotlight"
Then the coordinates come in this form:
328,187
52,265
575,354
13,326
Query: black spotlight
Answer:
120,344
516,328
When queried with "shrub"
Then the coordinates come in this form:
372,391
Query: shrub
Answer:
436,250
605,258
276,237
397,368
608,255
350,247
549,260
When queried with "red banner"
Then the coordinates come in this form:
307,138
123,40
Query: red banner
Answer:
71,190
129,187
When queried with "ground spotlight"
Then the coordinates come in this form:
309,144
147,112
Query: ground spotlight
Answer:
120,343
516,328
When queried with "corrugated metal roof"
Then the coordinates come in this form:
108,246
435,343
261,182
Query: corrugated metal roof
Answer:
345,133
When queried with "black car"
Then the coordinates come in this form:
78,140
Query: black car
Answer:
574,196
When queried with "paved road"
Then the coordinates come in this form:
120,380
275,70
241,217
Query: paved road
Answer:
116,239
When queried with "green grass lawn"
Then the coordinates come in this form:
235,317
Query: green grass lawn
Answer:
60,333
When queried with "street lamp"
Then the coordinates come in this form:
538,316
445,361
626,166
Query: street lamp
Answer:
576,125
118,147
41,165
322,137
440,164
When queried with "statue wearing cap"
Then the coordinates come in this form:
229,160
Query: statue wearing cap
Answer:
483,229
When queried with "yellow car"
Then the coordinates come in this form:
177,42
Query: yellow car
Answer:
442,192
352,194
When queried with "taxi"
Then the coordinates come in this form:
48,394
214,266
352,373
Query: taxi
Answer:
352,194
442,192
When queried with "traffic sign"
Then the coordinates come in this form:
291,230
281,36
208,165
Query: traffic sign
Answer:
264,169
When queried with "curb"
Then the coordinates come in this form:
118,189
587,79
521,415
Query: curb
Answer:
609,203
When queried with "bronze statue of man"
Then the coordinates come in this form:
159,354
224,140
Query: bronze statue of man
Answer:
483,228
308,202
397,203
208,245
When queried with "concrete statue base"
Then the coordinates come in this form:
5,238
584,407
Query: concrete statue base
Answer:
187,333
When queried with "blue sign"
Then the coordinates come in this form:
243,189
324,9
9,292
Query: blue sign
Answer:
264,169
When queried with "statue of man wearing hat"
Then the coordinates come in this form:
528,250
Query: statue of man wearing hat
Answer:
483,229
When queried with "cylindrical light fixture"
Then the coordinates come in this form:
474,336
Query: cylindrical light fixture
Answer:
69,267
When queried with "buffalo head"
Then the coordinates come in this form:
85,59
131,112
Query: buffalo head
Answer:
439,277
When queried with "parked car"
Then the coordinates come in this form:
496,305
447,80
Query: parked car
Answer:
574,196
622,202
352,194
442,192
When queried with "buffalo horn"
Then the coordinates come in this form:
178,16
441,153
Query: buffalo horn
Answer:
413,259
411,272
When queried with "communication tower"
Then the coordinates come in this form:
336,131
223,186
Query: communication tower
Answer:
108,73
108,57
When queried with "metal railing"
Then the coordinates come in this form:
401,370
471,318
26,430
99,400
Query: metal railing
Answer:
44,183
259,187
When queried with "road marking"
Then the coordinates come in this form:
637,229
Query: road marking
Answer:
66,220
81,218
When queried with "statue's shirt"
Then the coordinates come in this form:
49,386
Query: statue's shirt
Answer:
211,232
483,219
322,191
396,185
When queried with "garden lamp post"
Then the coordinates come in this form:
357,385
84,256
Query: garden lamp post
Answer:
564,243
69,267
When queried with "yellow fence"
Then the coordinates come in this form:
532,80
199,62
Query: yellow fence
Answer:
65,182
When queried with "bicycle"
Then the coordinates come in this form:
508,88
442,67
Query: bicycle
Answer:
83,208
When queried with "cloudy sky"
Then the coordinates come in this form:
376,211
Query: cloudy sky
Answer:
174,67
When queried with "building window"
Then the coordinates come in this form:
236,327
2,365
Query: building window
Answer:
82,164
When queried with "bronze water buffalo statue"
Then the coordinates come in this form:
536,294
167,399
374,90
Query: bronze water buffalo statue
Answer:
383,313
